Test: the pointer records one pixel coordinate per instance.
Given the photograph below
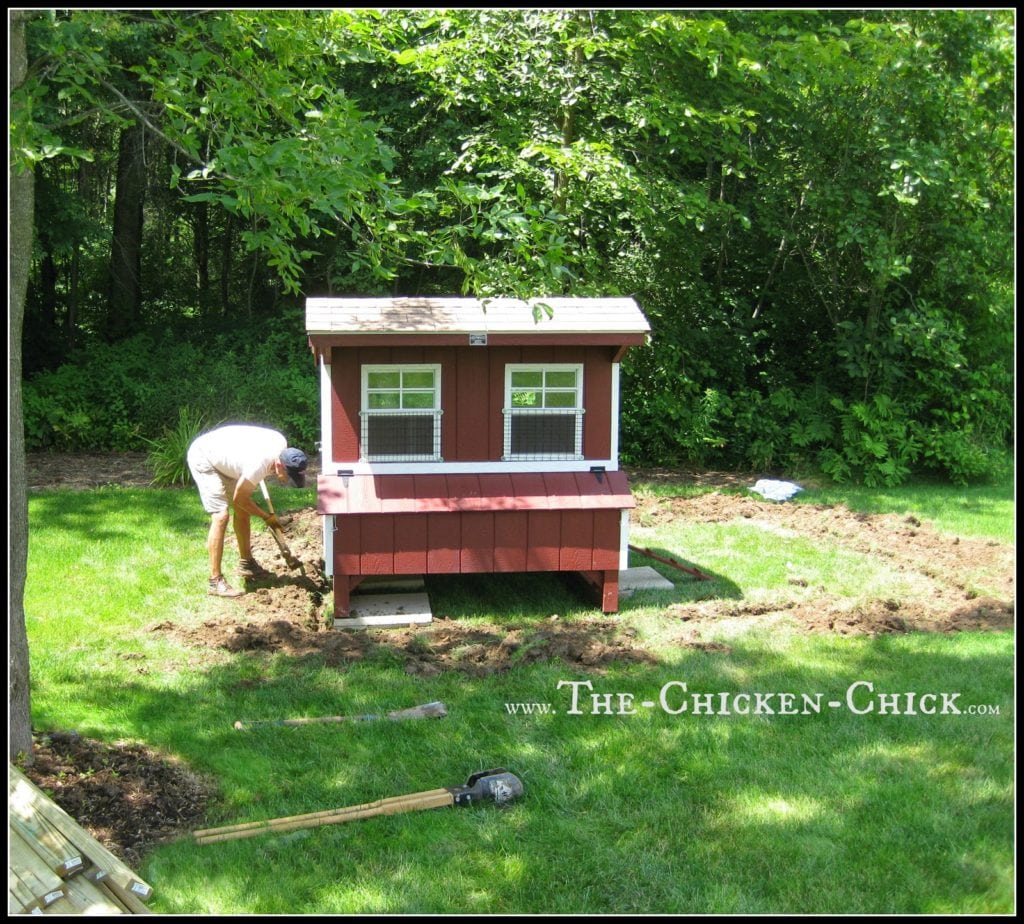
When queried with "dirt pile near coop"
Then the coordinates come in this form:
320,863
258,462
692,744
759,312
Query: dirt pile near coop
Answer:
944,568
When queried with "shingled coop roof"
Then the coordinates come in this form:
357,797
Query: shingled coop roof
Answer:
451,321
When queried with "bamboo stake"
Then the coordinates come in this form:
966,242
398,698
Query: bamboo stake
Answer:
435,798
696,572
426,711
25,789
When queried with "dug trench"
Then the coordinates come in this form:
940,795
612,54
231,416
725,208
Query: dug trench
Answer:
133,798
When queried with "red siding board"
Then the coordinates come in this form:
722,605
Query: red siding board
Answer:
394,490
444,542
347,545
471,406
545,539
597,399
410,544
377,555
497,491
375,356
431,493
345,400
577,551
530,491
561,491
464,491
477,553
364,494
607,539
511,540
500,357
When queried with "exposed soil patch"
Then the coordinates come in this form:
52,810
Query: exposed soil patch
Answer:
83,470
131,798
127,796
290,614
944,567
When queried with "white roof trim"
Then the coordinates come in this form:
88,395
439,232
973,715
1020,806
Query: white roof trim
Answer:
471,315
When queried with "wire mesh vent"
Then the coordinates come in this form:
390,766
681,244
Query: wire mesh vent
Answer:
543,435
401,437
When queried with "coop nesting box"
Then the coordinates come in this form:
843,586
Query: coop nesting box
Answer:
461,435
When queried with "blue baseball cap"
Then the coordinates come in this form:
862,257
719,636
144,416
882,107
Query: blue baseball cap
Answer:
295,461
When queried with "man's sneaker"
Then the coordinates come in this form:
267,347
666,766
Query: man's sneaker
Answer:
252,570
218,587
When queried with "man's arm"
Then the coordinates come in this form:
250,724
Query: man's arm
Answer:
243,499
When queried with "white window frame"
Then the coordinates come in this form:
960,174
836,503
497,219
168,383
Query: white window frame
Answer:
577,411
366,412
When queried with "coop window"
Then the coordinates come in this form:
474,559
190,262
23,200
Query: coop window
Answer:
401,414
543,412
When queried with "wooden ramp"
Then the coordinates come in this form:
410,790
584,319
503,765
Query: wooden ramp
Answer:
55,867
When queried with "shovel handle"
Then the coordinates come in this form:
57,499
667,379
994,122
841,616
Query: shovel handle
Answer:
434,798
266,497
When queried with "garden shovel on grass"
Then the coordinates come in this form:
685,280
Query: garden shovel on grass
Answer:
286,553
497,786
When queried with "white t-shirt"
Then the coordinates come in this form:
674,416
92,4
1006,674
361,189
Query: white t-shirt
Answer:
242,451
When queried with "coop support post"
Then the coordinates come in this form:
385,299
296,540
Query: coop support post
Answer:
604,585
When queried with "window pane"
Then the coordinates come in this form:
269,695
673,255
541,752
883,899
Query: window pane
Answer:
560,399
385,400
561,379
383,380
527,379
418,379
525,399
418,399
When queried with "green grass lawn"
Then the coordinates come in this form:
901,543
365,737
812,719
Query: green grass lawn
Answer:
628,808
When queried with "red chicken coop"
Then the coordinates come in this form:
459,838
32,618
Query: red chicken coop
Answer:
463,435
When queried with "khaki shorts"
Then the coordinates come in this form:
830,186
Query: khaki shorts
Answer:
214,487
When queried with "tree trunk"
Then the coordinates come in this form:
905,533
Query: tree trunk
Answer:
71,319
21,190
201,249
225,267
126,248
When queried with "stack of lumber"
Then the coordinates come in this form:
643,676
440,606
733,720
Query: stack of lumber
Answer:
55,867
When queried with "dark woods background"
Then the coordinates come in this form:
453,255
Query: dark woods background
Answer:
814,209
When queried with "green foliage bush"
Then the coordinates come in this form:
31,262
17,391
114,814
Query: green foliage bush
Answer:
904,402
124,396
168,455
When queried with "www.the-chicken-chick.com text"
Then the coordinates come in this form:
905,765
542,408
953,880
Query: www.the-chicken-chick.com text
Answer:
676,698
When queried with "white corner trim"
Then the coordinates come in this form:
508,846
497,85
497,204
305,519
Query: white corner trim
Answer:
615,414
329,546
326,428
624,539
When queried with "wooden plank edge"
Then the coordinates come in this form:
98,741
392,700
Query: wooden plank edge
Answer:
85,842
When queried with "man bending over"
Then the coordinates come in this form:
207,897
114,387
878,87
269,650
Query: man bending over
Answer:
228,464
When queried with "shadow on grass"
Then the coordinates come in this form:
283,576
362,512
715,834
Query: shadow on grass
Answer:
688,587
544,593
627,810
87,514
